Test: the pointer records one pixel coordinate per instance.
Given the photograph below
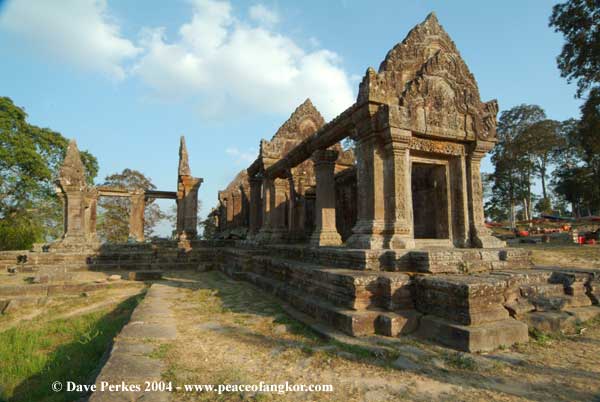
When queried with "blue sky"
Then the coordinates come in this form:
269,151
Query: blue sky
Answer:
126,78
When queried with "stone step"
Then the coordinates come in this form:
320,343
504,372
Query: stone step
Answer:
473,338
545,289
351,322
336,257
463,299
343,287
467,260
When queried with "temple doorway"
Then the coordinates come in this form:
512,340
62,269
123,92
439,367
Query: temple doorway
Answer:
430,201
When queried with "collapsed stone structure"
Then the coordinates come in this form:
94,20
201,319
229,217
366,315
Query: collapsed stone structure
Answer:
80,202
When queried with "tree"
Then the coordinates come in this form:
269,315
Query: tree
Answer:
113,222
30,158
588,138
209,228
542,142
513,166
579,22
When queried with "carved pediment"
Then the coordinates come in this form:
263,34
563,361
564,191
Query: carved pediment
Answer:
428,79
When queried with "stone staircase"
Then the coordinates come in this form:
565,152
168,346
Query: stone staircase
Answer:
488,305
352,301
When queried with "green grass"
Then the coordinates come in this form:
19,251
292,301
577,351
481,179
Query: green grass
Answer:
460,361
161,351
34,355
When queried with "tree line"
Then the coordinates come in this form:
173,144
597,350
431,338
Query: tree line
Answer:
30,209
563,155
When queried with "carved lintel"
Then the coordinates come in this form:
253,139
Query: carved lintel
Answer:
438,147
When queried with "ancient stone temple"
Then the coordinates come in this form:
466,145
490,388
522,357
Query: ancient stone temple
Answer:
282,207
369,224
420,131
390,239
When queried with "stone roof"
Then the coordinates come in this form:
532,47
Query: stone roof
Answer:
426,76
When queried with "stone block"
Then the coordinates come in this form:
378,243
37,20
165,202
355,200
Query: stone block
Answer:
397,323
144,275
466,300
551,321
583,314
473,338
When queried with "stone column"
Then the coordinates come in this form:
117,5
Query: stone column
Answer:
91,206
74,215
397,190
136,215
325,233
368,231
187,199
480,235
264,234
236,198
229,210
278,202
255,205
460,210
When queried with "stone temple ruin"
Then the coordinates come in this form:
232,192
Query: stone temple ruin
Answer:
385,238
80,202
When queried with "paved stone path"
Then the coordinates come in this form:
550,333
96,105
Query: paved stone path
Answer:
131,361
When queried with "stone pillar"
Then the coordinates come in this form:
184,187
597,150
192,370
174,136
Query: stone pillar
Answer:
368,231
480,235
229,211
187,199
255,205
277,214
136,216
460,207
91,207
268,201
397,190
325,233
74,215
236,197
296,217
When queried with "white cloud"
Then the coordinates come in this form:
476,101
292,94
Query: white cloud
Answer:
240,156
77,31
229,64
263,15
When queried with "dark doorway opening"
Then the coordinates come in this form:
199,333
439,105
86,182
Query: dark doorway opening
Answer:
430,201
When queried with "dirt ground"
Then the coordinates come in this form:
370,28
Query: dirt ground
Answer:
231,332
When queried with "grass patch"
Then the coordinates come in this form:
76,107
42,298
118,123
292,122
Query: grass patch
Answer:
297,328
543,338
33,355
460,361
161,351
358,351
